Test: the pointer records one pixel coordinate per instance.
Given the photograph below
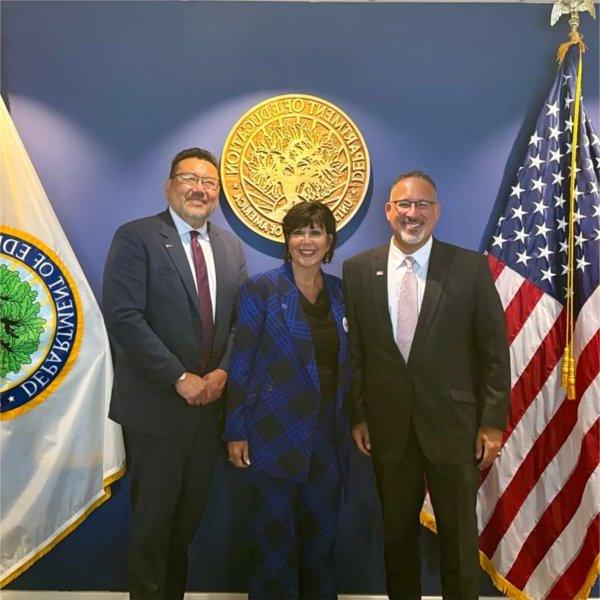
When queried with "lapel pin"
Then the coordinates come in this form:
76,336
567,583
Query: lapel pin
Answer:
168,245
379,273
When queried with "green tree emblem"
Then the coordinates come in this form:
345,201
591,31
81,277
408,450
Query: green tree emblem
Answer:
20,324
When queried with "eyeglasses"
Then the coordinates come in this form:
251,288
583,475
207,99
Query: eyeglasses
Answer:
405,205
209,183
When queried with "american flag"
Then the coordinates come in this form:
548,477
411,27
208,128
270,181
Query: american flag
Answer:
539,504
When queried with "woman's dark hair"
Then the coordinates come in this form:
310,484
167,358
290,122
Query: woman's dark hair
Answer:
309,214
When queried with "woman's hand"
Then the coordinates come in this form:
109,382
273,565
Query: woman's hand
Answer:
239,453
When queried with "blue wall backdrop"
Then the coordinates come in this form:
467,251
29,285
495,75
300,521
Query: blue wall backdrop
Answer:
104,93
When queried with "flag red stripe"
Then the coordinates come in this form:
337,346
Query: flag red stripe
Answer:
575,575
537,371
520,307
496,266
533,377
570,583
558,513
540,455
588,362
525,479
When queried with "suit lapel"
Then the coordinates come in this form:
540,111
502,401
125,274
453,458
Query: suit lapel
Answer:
293,315
436,276
174,247
337,310
379,277
219,256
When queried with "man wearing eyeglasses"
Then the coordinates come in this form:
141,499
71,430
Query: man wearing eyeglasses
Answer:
171,285
430,387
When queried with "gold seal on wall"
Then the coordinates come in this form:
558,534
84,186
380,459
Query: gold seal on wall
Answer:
289,149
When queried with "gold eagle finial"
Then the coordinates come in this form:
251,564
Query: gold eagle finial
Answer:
573,8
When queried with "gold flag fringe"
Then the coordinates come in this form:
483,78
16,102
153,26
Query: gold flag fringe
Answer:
590,580
428,520
503,585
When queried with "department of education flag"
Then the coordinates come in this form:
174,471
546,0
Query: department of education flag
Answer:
539,505
58,450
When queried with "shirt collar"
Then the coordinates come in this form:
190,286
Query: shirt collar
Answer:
421,256
183,229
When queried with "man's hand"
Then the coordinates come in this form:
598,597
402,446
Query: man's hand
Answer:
239,454
488,446
216,384
193,389
360,434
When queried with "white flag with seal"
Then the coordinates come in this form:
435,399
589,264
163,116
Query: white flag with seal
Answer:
59,452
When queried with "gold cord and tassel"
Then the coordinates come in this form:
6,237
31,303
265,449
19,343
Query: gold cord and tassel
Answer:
574,38
569,362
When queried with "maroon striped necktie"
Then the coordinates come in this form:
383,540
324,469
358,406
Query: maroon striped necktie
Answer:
206,313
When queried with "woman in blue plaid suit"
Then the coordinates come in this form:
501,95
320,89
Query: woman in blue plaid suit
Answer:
287,380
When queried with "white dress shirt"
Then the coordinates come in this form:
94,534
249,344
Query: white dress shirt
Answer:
183,229
396,270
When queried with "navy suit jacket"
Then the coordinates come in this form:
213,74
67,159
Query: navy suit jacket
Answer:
152,315
273,392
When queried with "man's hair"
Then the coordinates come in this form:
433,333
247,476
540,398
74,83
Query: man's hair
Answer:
198,153
416,174
309,214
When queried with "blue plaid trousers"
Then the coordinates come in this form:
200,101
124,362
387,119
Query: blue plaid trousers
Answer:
295,524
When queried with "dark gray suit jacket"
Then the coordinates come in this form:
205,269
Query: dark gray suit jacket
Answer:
151,312
458,373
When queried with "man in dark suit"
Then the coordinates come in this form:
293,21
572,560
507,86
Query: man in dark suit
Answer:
171,286
430,384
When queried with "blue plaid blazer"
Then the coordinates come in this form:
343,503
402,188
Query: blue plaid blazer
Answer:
273,395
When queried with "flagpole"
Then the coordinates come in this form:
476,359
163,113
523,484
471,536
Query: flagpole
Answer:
561,7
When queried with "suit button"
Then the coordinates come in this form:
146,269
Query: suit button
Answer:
269,388
213,354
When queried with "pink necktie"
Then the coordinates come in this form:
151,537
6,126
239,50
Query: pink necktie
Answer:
408,312
204,301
